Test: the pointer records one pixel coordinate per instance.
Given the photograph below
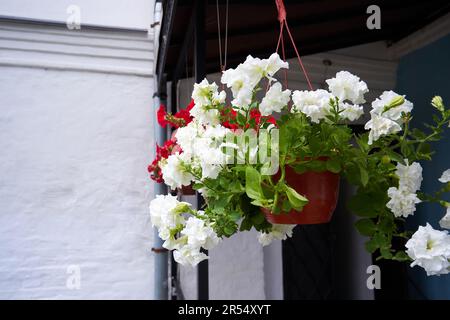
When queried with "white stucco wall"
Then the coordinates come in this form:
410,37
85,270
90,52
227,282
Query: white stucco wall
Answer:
111,13
76,137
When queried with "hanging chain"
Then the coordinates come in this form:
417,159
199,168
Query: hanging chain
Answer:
218,32
226,36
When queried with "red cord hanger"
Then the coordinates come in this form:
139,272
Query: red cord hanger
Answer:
283,24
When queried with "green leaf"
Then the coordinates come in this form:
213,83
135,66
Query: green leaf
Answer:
230,229
286,206
418,134
394,155
257,203
246,224
317,165
387,224
371,245
405,148
235,186
296,200
197,186
240,118
333,165
258,218
315,144
235,216
382,240
352,173
253,183
364,176
223,201
366,227
363,142
365,204
401,256
386,253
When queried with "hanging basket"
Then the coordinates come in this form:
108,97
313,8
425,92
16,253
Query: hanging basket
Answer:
320,188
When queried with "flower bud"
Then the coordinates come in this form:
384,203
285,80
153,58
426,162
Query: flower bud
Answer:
182,207
397,101
386,159
438,103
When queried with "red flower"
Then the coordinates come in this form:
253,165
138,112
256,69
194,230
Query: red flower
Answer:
255,114
162,116
190,105
229,119
180,119
272,120
166,150
169,147
183,115
155,171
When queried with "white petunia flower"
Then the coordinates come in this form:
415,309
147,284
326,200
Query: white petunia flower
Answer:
188,255
243,98
380,126
205,114
211,161
430,249
241,86
219,97
445,221
172,244
187,135
402,203
315,104
445,176
273,64
199,234
160,207
278,232
247,76
243,80
175,171
274,100
351,112
253,69
204,92
209,153
395,113
347,86
215,133
206,98
202,147
164,216
410,176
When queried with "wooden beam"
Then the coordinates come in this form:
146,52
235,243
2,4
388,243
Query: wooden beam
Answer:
187,42
166,32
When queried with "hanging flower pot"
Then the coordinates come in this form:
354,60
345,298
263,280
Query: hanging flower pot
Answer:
320,188
315,122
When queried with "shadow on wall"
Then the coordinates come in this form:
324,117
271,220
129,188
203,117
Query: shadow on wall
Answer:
423,74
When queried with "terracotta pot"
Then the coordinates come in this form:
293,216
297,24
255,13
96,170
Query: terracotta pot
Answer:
320,188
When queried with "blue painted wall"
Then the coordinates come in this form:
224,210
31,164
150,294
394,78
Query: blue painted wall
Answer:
423,74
